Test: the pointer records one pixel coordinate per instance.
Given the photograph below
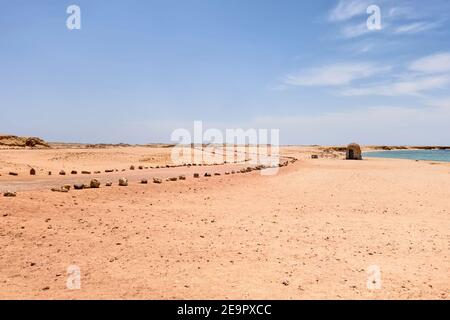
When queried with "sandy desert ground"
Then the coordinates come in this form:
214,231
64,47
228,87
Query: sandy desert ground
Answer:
310,231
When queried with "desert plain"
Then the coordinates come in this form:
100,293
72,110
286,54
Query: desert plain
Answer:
311,231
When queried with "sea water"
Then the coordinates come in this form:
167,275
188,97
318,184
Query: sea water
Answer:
433,155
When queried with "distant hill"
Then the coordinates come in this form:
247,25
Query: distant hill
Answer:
15,141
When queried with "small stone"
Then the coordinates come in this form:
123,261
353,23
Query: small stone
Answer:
13,174
62,173
85,172
59,189
97,172
109,170
9,194
78,186
144,181
131,167
217,174
73,172
66,186
157,180
196,175
49,173
108,184
95,183
182,177
207,174
32,172
123,182
140,167
172,179
314,156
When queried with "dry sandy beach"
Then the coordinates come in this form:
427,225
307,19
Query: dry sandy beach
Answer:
311,231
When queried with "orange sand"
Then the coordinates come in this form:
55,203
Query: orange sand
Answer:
311,231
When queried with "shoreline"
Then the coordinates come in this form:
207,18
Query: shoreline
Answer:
366,153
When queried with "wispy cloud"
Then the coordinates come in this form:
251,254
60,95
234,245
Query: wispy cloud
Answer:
416,27
413,87
333,75
411,79
402,19
353,31
435,63
347,9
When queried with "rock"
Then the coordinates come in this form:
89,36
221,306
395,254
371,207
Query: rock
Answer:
85,172
62,173
78,186
108,184
233,172
66,186
123,182
13,174
182,177
33,141
140,167
207,174
196,175
9,194
144,181
32,172
131,167
86,186
73,172
227,173
217,174
95,183
172,179
59,189
157,180
49,173
97,172
109,170
314,156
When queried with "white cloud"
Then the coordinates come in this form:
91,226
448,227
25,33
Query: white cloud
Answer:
347,9
413,87
353,31
333,75
435,63
416,27
388,125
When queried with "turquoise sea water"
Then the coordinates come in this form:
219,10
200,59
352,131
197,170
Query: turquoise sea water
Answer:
433,155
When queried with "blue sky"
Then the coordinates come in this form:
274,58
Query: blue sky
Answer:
137,70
